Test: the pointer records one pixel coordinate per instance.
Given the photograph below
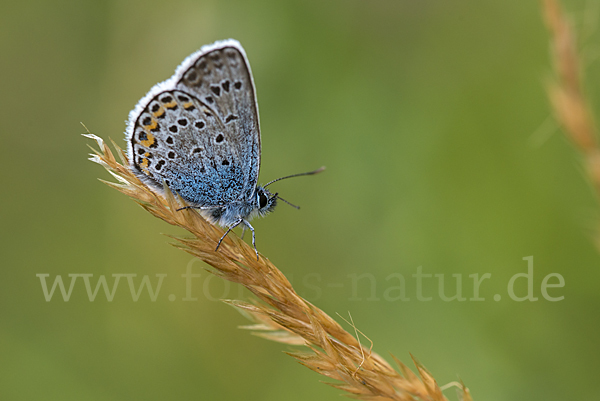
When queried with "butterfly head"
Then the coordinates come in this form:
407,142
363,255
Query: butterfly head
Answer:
265,201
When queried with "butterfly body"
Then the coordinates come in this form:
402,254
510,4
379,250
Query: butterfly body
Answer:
235,213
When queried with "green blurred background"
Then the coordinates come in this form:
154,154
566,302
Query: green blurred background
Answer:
441,152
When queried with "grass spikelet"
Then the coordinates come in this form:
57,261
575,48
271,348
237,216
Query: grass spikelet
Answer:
278,313
566,93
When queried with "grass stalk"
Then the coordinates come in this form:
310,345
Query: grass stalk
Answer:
279,313
567,97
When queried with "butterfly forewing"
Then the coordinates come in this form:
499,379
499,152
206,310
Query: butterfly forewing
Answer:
198,132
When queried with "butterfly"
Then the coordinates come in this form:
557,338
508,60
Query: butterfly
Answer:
198,133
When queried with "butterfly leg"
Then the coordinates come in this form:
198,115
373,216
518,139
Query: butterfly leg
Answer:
246,224
234,225
243,231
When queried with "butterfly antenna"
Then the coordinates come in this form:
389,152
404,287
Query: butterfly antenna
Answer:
294,175
291,204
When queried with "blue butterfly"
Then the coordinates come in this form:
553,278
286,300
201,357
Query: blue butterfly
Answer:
198,133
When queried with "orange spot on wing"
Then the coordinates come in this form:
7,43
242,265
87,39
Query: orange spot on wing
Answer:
159,113
148,142
152,125
171,104
188,105
144,165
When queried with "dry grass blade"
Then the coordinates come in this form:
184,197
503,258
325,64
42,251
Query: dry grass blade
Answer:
279,313
566,93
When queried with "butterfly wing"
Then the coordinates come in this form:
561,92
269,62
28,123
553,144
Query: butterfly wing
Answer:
198,131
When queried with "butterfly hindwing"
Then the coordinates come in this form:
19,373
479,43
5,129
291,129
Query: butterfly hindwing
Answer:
179,141
199,130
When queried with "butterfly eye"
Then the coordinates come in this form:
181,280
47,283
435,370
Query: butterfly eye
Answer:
262,200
